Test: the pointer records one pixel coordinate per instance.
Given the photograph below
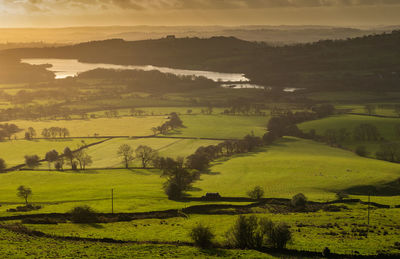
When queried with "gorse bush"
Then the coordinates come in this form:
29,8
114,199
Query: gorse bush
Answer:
83,214
202,236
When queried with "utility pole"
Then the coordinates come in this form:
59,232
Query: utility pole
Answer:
369,202
112,201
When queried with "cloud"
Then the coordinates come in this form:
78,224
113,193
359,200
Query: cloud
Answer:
102,5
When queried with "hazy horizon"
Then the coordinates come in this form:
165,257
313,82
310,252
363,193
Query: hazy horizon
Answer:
77,13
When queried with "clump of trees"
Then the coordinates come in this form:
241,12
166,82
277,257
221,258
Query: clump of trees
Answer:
8,130
362,151
244,106
284,124
251,232
146,155
76,158
179,179
389,151
55,132
366,132
83,158
201,159
126,153
111,114
30,133
174,122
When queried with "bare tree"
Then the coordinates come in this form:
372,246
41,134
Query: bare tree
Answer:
83,158
145,154
126,153
24,193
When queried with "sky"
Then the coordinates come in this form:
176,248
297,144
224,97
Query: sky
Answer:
68,13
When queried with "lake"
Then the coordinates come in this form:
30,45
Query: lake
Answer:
64,68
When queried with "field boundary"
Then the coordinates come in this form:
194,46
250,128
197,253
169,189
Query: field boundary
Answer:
373,115
19,167
196,209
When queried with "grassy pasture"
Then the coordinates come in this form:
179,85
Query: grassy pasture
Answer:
292,166
361,109
313,235
386,127
13,245
124,126
221,126
105,154
13,151
134,190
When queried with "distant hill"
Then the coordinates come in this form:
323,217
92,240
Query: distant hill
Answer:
368,62
276,35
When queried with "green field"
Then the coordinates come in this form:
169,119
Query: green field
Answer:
14,245
385,126
221,126
105,154
123,126
13,151
134,190
294,165
315,226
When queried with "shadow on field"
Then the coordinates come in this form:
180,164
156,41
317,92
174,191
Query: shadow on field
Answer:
384,189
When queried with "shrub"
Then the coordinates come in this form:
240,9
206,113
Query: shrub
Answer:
257,193
299,200
254,233
243,234
362,151
279,235
83,214
202,236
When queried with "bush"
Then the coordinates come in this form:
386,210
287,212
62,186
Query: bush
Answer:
244,234
280,235
254,233
83,214
362,151
202,236
257,193
299,201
